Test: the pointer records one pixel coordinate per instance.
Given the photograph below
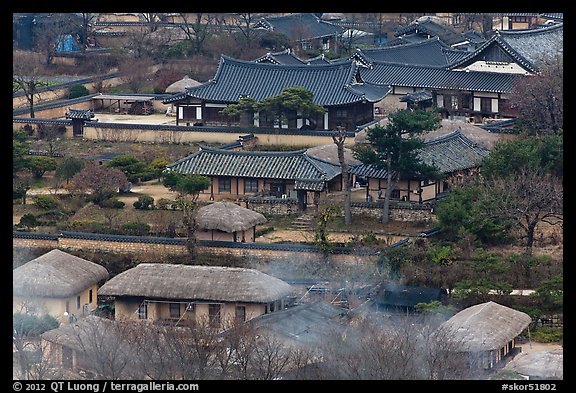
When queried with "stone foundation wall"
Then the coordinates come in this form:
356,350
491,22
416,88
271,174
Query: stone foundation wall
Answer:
267,253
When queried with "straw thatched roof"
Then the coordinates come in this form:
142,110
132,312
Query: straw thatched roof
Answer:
540,364
228,217
486,326
181,85
56,274
191,282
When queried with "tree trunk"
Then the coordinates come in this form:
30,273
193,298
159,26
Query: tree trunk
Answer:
389,187
339,138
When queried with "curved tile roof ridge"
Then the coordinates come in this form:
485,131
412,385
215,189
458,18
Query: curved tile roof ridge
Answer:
253,152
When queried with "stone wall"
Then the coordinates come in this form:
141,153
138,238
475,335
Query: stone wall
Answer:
163,246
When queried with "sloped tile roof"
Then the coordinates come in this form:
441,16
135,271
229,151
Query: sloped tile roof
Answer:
308,172
428,77
427,26
300,26
84,114
431,52
449,153
527,47
283,57
331,84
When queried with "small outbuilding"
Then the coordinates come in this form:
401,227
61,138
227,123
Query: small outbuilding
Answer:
181,85
484,334
174,294
59,284
227,221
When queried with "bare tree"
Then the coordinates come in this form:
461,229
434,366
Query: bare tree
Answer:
527,197
540,98
198,29
27,76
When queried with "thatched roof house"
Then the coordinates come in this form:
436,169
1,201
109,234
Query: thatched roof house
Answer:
170,281
170,292
539,364
488,330
182,84
56,280
56,274
230,218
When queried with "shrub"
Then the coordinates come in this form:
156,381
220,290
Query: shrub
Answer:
77,91
164,204
45,202
28,221
547,334
134,228
112,203
144,202
33,326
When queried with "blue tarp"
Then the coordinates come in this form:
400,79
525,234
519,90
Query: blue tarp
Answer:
67,44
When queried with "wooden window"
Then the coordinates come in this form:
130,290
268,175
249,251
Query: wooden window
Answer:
174,310
224,184
250,185
485,104
214,315
395,194
143,311
240,314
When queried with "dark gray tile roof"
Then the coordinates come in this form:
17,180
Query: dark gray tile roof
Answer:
308,172
331,84
428,77
526,47
449,153
431,52
300,26
446,33
417,96
305,324
283,57
84,114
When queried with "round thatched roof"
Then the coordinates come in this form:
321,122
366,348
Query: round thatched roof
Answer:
228,217
486,326
539,364
181,85
56,274
193,282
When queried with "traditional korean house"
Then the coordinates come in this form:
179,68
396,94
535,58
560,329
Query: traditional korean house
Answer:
191,294
431,51
279,174
227,221
514,52
307,30
484,334
286,56
336,86
303,326
471,94
455,156
427,27
103,348
59,284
